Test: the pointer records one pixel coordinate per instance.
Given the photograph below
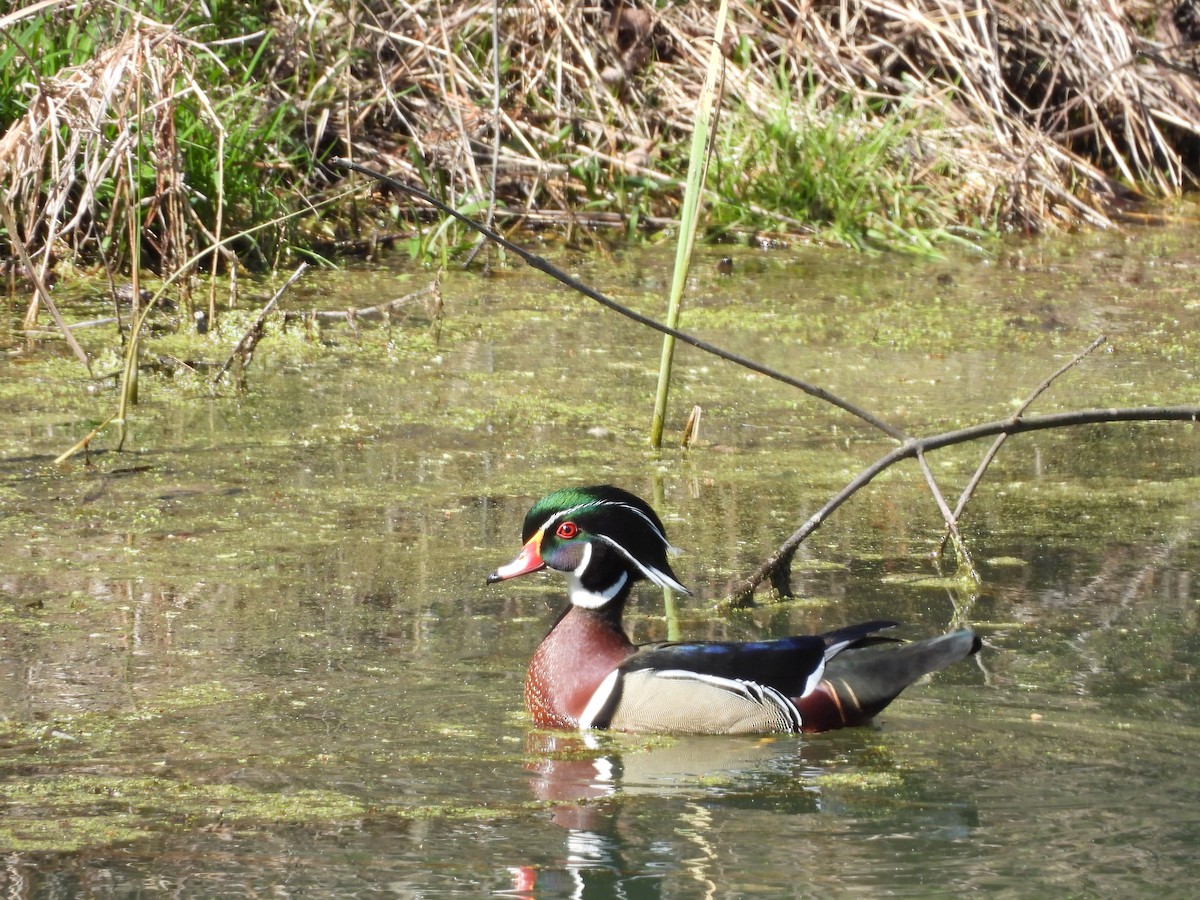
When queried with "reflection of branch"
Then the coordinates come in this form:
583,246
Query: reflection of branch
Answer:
1111,593
969,490
779,561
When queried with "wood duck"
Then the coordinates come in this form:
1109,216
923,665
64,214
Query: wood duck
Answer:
586,673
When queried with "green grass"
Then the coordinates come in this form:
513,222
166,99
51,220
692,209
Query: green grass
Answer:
851,171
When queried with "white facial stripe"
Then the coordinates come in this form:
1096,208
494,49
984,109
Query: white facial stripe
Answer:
633,509
590,600
662,579
563,513
641,513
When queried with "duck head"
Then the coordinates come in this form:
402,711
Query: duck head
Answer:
605,539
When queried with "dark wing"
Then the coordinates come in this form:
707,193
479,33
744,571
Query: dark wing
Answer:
785,664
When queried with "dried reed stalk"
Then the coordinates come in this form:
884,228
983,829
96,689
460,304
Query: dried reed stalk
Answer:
1053,109
90,125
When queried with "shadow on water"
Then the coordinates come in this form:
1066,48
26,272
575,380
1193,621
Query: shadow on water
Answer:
254,653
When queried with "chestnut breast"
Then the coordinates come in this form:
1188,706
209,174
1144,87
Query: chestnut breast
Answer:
569,664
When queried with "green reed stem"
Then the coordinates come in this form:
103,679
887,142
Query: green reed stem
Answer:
690,215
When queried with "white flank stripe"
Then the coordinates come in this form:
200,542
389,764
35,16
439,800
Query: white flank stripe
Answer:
599,698
815,678
819,672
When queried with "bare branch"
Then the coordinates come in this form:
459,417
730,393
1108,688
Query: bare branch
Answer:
781,558
244,351
542,265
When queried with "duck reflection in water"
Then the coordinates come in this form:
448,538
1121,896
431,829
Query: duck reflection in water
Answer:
644,813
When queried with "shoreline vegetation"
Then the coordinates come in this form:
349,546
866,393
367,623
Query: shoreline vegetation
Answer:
194,137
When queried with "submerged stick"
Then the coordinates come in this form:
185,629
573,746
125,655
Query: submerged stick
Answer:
781,558
83,442
39,286
379,311
591,293
244,350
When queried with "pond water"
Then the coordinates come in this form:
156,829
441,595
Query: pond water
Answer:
254,653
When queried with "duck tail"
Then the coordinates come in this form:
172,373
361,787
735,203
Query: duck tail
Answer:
860,681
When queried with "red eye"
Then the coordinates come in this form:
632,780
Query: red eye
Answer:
567,530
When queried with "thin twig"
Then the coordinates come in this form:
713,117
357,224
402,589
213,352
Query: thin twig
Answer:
969,491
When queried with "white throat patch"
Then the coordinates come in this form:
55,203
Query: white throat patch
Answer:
581,596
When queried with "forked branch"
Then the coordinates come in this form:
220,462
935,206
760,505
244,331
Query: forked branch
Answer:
776,566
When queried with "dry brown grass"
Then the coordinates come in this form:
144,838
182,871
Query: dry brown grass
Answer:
1049,112
1053,111
67,167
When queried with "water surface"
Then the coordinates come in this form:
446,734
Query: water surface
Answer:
254,651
